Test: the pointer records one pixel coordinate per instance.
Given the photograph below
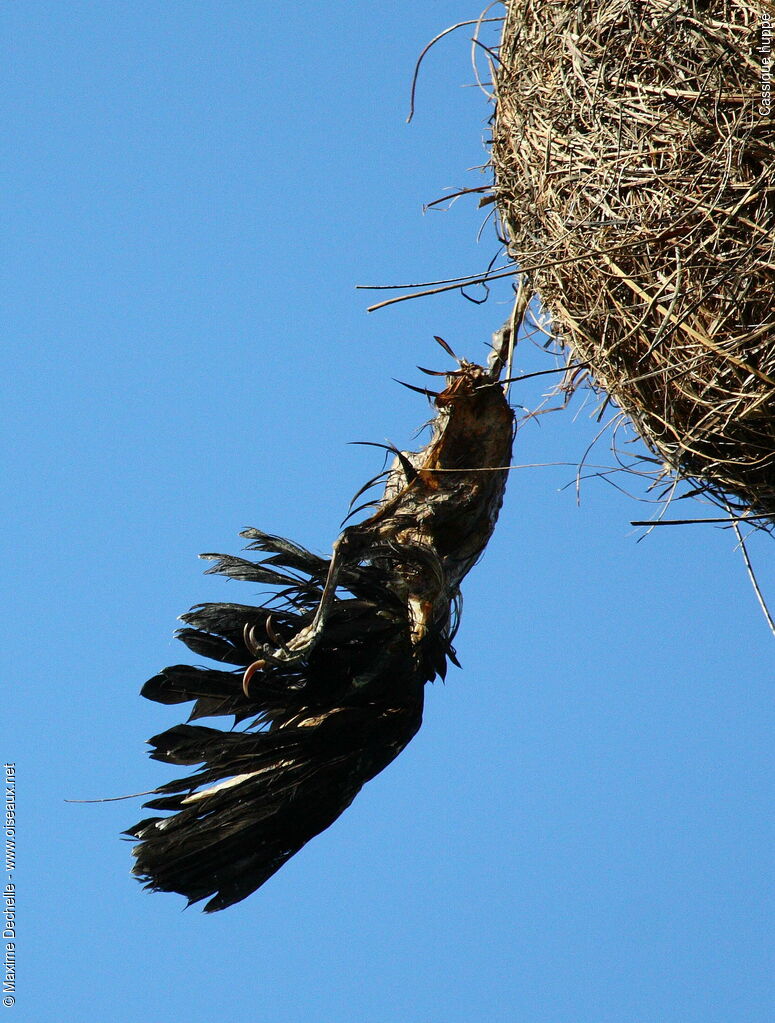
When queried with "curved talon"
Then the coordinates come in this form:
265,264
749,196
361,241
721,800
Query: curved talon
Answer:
273,636
249,673
250,641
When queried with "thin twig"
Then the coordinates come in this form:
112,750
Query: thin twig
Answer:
467,279
752,575
485,277
452,197
725,519
446,32
475,42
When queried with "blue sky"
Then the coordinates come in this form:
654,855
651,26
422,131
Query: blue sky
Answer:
191,191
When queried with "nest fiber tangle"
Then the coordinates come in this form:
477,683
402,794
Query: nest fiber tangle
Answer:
634,153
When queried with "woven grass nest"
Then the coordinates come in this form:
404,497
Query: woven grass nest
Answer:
634,155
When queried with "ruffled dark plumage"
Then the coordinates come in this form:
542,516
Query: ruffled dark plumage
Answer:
327,677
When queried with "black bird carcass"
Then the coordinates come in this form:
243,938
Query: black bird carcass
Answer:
328,675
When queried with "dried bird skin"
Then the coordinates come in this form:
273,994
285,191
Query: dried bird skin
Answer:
329,673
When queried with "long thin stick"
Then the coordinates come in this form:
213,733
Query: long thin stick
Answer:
468,278
460,24
692,522
488,276
752,575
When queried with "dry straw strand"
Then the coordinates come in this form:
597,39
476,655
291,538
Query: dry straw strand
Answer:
634,155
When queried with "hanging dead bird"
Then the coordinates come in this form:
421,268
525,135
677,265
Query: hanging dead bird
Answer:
329,673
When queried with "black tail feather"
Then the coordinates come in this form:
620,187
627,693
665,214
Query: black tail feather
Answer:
319,730
261,796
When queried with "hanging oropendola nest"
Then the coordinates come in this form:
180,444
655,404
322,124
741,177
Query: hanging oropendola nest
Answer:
634,155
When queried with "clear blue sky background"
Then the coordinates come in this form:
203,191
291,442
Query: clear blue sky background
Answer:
190,192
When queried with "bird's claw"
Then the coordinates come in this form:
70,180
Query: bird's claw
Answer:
281,653
273,634
249,673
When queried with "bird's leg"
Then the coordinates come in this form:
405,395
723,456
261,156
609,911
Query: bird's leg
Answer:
504,340
300,646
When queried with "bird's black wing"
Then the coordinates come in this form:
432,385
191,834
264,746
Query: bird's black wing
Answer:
327,677
316,731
